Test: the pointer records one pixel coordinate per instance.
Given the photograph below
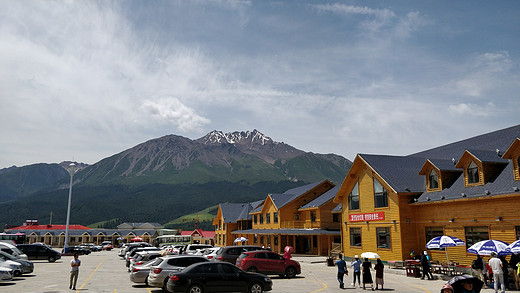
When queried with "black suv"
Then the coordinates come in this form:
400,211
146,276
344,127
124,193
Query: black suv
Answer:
231,253
39,251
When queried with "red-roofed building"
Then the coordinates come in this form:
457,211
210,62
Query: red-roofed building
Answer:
200,236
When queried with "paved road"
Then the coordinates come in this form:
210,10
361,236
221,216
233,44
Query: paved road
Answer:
106,272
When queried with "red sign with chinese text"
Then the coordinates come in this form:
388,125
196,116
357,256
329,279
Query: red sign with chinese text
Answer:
378,216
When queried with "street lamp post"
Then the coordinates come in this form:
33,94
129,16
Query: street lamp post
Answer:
71,170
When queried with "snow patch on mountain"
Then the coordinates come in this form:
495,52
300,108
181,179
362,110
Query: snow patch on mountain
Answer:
237,137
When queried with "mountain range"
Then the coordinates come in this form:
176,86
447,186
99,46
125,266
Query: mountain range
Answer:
163,178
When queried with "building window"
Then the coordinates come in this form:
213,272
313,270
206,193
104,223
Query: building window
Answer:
433,180
255,219
313,216
517,232
475,234
432,232
223,238
220,238
314,241
380,195
383,237
275,240
355,237
275,217
261,239
473,173
518,167
219,224
255,238
336,217
261,218
353,198
267,218
296,217
269,240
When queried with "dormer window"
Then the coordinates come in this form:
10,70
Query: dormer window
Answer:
433,180
473,176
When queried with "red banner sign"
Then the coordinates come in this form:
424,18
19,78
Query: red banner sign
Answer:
378,216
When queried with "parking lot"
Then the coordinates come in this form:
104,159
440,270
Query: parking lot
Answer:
105,271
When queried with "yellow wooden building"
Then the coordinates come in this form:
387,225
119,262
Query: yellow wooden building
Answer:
469,189
300,217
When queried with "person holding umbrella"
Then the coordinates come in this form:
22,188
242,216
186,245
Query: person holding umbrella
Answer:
465,284
367,275
498,273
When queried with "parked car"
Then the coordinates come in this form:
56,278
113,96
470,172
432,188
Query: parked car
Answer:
12,250
210,253
164,265
133,253
139,273
107,245
15,266
76,249
27,265
39,251
192,248
217,277
6,274
143,257
269,263
91,246
231,253
126,247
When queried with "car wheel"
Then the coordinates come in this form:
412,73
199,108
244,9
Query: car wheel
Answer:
165,286
195,289
51,259
252,270
290,272
256,288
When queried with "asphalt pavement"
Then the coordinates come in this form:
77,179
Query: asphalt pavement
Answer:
105,271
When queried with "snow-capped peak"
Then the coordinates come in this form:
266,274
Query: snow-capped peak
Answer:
236,137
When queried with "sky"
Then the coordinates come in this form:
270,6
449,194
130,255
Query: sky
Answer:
84,80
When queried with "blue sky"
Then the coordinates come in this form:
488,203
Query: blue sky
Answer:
84,80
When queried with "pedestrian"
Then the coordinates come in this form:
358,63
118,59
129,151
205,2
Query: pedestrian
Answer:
498,274
356,266
447,288
287,254
367,275
479,265
74,271
467,286
425,263
513,262
505,269
342,270
379,267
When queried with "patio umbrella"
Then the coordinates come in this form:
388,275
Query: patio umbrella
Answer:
514,247
457,282
369,255
135,239
486,247
443,242
240,239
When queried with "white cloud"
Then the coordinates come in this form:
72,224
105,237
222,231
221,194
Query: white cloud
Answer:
172,110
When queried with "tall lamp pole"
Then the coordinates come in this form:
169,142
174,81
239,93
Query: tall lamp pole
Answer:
71,170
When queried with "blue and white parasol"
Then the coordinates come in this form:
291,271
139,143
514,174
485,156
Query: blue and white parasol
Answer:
443,242
486,247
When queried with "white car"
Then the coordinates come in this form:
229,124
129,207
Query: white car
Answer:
15,266
210,253
5,274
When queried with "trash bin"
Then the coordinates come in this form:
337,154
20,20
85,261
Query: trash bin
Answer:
330,262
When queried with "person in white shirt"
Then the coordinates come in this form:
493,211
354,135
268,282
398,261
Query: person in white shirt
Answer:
74,271
498,275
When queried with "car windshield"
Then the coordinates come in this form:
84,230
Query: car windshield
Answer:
243,255
157,261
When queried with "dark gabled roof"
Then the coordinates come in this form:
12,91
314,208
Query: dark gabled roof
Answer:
302,189
487,156
322,199
500,139
401,173
231,211
445,165
282,199
248,207
504,183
